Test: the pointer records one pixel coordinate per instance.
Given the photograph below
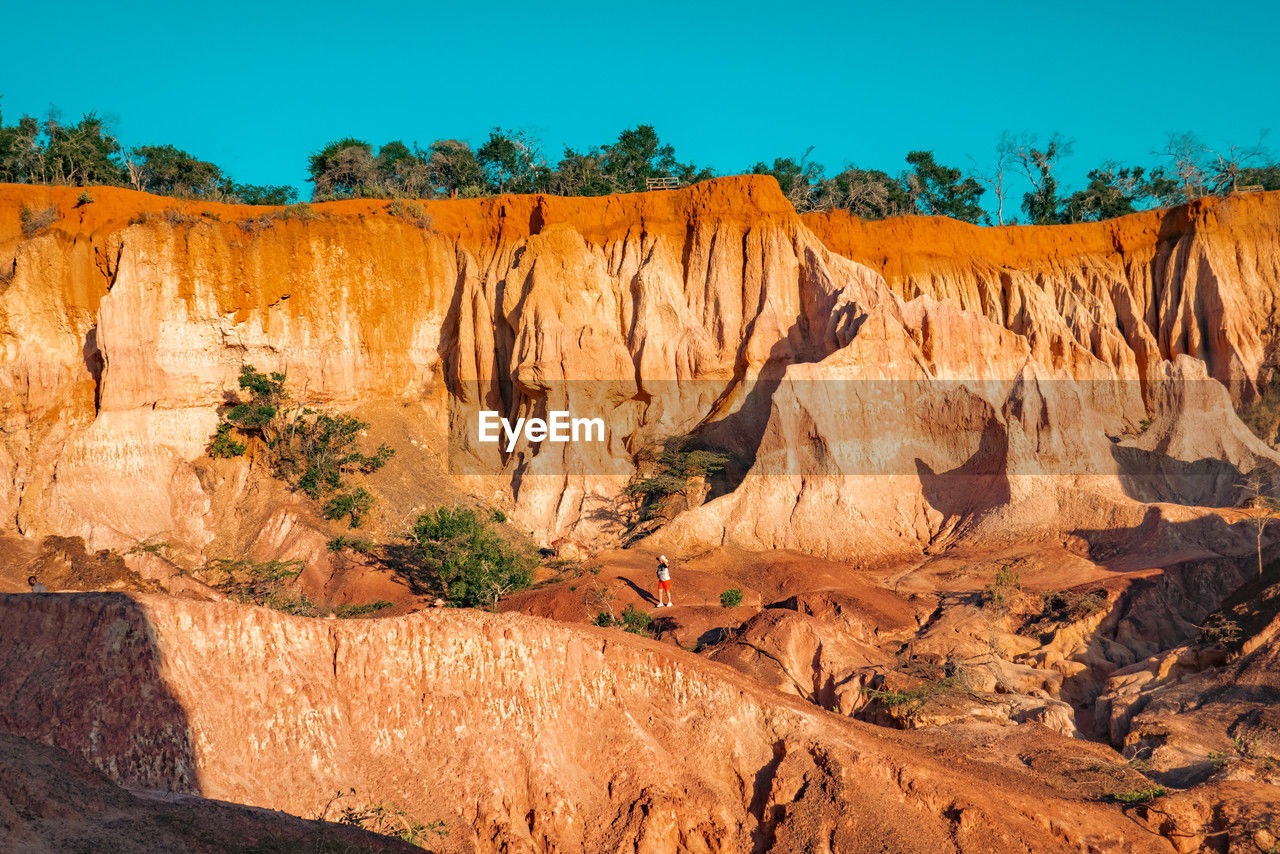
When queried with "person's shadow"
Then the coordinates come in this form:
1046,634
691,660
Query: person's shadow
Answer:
648,597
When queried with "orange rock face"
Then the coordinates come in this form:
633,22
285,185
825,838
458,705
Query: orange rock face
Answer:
1063,399
1198,280
713,308
520,734
51,802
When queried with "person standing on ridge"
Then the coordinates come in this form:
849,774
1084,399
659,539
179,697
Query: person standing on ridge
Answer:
36,586
664,582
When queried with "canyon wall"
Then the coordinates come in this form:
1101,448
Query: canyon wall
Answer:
519,734
1200,280
890,386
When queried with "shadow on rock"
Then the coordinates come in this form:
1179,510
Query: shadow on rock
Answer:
82,671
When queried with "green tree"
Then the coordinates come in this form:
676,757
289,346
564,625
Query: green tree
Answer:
403,171
867,193
312,451
1267,177
1112,191
801,181
344,169
82,153
168,171
511,161
253,194
941,190
581,174
669,470
454,169
21,152
459,555
1039,163
637,156
51,152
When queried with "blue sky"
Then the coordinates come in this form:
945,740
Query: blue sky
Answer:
256,87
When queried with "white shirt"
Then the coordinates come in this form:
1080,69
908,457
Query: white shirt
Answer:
664,573
39,588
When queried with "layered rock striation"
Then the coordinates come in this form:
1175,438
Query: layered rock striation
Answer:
888,387
519,734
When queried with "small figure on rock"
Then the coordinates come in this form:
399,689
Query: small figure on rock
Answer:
36,586
664,582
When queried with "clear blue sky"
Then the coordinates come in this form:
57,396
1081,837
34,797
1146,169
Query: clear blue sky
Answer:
255,87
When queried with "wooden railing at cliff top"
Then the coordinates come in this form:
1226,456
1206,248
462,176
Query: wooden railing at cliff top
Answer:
662,183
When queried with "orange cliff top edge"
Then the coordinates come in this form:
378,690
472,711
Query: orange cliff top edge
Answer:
898,247
750,199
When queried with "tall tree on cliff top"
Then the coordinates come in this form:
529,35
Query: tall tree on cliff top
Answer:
581,174
343,169
51,152
866,193
939,190
168,171
1266,177
1202,170
801,181
637,156
21,152
454,169
1038,163
996,178
627,164
401,171
349,169
512,162
1116,190
81,153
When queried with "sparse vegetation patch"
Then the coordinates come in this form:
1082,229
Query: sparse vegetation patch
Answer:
35,220
999,594
731,598
632,620
313,451
1138,797
411,212
457,554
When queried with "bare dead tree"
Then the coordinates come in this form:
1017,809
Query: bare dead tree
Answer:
995,179
806,188
1187,154
134,169
1203,170
1227,164
1259,492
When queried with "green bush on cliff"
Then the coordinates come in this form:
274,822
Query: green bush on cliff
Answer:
270,584
1138,797
455,553
731,598
312,451
999,594
353,504
632,620
669,470
224,444
253,582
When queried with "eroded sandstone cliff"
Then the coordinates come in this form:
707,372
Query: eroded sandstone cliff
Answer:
520,734
982,388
